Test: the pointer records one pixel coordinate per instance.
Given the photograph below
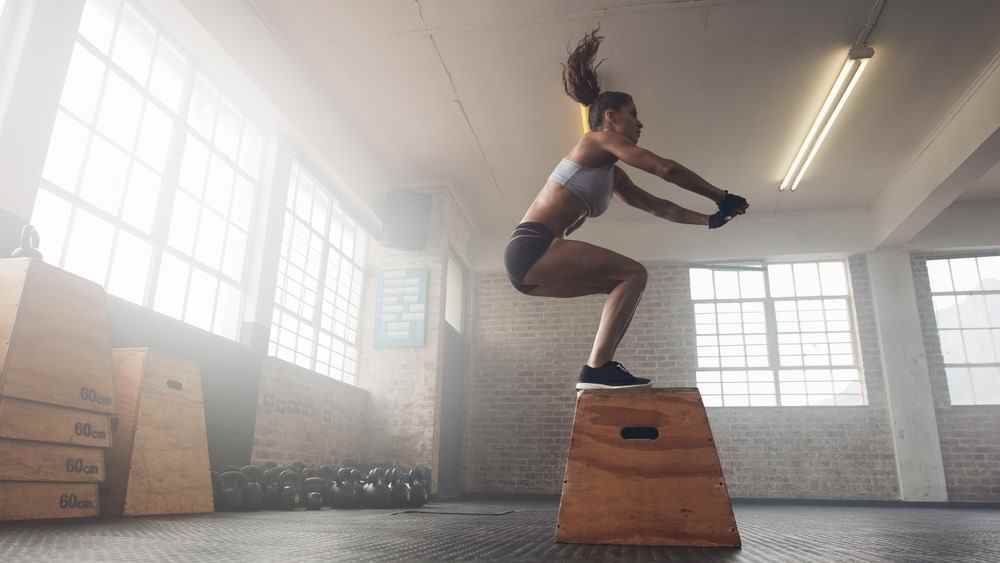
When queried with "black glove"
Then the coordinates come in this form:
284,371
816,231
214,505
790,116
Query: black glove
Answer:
733,205
718,219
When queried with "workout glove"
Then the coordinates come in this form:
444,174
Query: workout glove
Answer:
730,206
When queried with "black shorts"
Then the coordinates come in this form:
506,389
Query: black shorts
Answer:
527,244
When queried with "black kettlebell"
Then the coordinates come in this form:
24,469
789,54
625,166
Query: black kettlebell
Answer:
291,489
313,488
272,488
253,494
231,488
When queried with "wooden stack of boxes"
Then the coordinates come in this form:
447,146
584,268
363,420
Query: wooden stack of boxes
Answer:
56,391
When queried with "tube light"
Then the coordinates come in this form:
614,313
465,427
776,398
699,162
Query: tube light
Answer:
835,100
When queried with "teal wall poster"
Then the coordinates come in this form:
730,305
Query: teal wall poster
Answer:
401,308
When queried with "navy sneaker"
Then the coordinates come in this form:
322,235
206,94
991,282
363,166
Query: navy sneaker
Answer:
611,375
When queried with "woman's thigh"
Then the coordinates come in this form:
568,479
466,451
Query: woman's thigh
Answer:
572,268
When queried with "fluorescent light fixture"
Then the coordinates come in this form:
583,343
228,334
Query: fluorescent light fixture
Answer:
584,116
857,59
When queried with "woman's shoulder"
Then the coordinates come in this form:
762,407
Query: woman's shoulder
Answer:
590,151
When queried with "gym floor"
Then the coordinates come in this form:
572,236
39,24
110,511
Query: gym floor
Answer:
508,531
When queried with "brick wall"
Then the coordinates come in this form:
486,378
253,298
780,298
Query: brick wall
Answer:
307,417
530,350
970,434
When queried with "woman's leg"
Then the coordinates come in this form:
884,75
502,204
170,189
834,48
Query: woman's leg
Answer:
572,268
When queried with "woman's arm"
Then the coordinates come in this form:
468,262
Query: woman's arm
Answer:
641,199
670,170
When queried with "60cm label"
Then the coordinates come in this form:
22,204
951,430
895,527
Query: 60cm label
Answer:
85,430
71,501
92,396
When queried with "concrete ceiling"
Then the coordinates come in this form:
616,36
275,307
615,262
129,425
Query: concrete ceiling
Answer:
466,94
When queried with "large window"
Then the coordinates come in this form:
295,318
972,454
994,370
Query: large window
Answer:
776,335
966,297
320,282
132,123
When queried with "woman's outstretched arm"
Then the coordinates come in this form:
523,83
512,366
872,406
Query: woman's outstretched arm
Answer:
640,199
669,170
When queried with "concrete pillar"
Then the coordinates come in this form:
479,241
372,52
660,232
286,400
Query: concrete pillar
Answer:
904,362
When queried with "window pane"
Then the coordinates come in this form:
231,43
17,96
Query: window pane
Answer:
66,152
141,198
752,285
51,218
89,248
972,311
97,24
201,299
129,268
121,107
780,278
993,307
989,271
960,386
219,190
83,83
727,285
169,72
251,151
227,132
194,166
172,286
243,196
104,176
979,346
940,275
702,284
952,347
134,42
232,263
986,384
965,274
806,279
211,238
946,311
227,313
183,223
154,136
201,114
833,278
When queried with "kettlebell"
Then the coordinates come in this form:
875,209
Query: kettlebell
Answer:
231,488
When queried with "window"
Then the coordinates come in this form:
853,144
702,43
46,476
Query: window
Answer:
453,308
776,335
966,298
117,146
320,282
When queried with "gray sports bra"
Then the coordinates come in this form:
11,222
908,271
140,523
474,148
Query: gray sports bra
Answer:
592,185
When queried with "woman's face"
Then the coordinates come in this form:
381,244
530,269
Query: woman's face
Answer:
625,121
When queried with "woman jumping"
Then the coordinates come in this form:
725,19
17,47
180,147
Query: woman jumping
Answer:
541,262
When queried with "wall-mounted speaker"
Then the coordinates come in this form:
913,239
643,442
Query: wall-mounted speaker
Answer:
406,217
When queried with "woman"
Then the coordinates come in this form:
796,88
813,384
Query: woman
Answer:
541,262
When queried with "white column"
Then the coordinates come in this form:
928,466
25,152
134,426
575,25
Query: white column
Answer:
904,362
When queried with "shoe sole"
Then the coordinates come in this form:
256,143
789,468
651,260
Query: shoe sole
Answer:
585,386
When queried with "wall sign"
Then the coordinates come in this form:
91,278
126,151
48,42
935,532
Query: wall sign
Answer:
401,308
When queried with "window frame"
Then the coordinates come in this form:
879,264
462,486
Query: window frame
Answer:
775,366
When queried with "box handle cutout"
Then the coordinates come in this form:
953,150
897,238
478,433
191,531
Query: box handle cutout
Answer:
175,385
640,433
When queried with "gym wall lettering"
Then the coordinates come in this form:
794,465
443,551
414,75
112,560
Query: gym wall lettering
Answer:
401,308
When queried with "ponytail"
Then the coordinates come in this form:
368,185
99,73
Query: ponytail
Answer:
579,75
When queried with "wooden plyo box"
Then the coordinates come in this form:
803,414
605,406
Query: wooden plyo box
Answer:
34,501
643,470
26,420
55,337
158,462
33,461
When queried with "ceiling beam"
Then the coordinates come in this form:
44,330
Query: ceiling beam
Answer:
962,149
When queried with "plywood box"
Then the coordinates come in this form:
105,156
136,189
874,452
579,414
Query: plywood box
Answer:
158,463
34,461
55,337
26,420
643,470
35,501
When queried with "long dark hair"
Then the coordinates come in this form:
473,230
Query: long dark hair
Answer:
579,76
